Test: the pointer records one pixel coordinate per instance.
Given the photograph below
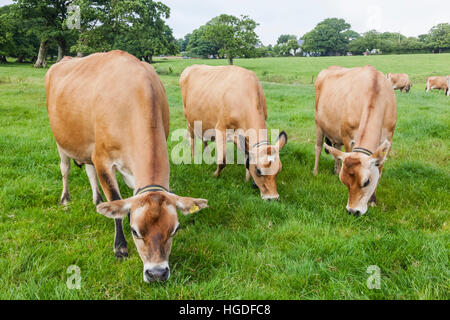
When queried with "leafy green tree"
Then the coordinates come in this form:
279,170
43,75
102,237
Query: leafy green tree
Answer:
136,26
285,38
329,37
48,18
17,39
200,47
183,43
438,38
146,30
6,34
232,35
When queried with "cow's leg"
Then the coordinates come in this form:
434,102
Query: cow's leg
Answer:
318,149
221,144
92,175
111,190
191,136
65,171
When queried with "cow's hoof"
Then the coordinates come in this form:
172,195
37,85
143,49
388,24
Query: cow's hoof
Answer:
121,253
216,173
65,199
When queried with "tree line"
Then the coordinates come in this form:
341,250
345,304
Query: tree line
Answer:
330,37
32,30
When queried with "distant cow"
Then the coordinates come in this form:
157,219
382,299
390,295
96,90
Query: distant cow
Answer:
355,108
400,81
437,83
109,111
231,97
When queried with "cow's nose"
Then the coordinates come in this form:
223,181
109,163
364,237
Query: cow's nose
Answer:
355,212
157,274
271,198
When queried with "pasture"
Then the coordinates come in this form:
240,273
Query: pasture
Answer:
305,246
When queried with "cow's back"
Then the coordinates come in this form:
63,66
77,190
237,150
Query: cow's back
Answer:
399,80
223,96
343,95
104,92
437,82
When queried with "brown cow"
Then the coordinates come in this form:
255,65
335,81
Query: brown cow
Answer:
400,81
356,108
437,83
109,111
231,98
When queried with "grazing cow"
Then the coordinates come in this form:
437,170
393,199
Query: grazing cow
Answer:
356,108
231,97
109,111
400,81
437,83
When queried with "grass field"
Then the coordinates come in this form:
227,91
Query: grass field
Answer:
303,247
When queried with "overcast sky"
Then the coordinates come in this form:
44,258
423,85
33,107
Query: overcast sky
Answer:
410,17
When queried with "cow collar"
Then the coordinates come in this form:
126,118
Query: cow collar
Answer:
151,188
261,143
363,151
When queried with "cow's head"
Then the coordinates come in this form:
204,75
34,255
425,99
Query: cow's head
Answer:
263,165
154,222
360,173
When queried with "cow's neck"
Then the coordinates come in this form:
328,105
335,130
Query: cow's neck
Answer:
257,124
370,127
150,158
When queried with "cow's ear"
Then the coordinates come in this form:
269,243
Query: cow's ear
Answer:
380,155
191,205
188,205
282,140
337,154
114,209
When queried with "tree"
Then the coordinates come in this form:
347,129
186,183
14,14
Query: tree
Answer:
199,47
329,37
48,18
145,30
438,38
183,43
16,37
284,38
136,26
232,35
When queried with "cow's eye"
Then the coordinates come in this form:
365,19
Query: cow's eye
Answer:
258,172
135,234
366,183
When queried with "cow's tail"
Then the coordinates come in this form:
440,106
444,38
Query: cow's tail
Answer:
328,142
79,165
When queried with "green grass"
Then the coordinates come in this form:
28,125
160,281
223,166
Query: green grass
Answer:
303,247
